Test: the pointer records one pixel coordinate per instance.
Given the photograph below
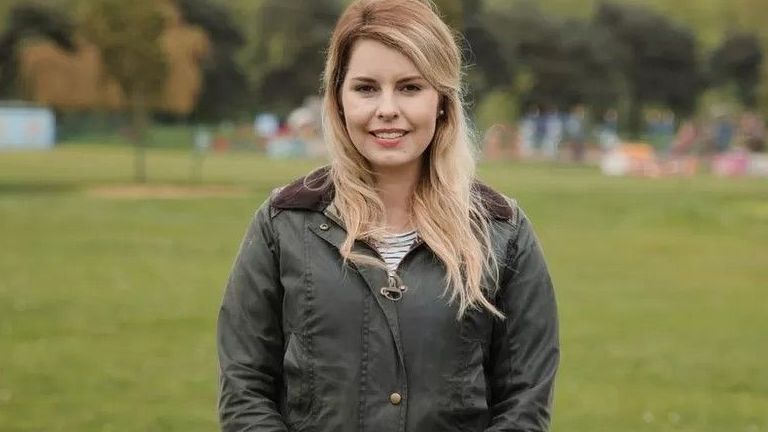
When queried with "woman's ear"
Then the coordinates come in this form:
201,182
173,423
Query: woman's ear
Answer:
441,106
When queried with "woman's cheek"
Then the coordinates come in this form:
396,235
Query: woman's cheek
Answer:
353,110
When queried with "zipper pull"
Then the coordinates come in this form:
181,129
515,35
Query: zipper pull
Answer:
394,289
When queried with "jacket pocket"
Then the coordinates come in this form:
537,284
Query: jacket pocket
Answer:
297,381
471,405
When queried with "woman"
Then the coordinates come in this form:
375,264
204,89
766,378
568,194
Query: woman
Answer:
389,291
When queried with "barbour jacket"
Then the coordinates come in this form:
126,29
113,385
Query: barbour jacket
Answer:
309,343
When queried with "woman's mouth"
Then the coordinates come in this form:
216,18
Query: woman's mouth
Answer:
389,138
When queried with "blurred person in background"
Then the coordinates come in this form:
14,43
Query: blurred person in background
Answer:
391,290
576,131
723,133
553,134
608,131
660,130
688,136
531,132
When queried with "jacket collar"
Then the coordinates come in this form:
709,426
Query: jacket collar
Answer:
312,192
315,192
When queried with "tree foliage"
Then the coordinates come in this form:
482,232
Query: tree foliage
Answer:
452,12
225,84
74,78
127,35
657,59
288,55
66,80
184,48
29,21
737,61
235,57
562,63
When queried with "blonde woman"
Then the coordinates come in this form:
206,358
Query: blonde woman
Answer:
390,291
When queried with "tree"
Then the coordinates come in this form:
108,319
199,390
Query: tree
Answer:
25,22
185,47
225,88
127,33
525,39
72,78
287,59
751,15
487,69
558,63
452,12
657,60
738,61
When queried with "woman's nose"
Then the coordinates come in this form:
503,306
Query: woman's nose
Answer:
387,109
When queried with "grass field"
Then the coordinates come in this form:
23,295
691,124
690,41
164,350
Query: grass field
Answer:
108,299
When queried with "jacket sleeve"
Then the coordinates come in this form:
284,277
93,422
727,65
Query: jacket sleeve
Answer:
249,335
525,348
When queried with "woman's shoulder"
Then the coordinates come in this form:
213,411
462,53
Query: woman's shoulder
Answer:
496,204
313,191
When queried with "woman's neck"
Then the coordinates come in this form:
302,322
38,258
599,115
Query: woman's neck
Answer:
395,187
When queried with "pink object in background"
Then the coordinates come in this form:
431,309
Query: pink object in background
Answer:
731,164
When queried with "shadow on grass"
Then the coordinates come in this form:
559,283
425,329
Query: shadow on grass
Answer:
36,188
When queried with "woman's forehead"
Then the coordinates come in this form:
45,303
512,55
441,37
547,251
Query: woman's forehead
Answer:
375,60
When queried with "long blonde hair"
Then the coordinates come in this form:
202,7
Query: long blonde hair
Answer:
449,217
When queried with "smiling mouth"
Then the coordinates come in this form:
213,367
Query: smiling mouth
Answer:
389,135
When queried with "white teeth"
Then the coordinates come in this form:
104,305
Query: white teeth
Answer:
389,135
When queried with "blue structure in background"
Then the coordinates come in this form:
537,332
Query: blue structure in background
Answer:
27,128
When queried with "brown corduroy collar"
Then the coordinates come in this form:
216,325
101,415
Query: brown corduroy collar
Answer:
315,192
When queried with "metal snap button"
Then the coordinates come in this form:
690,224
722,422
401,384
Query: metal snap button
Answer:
324,227
395,398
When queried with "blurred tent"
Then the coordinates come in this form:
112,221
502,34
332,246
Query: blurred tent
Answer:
25,127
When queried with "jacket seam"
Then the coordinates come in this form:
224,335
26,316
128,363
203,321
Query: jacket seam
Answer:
272,245
364,363
305,331
510,252
274,234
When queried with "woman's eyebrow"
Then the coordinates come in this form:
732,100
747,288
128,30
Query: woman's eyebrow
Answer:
366,79
363,79
411,78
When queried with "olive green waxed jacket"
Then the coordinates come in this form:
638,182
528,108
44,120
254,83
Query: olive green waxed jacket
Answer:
308,343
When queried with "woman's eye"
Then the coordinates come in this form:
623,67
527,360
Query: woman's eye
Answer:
411,88
364,89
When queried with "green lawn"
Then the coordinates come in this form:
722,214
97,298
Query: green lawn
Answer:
108,304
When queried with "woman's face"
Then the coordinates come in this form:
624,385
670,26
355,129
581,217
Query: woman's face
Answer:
390,110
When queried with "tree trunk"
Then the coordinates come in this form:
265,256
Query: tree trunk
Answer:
635,117
139,127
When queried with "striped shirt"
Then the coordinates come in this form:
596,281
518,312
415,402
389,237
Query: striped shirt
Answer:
394,247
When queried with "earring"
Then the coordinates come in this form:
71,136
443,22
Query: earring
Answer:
442,113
